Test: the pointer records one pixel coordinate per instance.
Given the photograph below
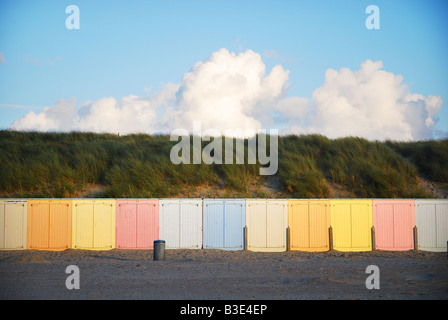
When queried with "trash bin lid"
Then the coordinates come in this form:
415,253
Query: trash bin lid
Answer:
159,241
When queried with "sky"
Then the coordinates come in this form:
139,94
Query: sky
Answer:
297,66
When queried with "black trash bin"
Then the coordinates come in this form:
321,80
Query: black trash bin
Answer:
159,250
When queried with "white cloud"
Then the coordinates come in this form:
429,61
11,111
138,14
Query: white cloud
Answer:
369,103
57,117
235,92
110,115
227,91
128,115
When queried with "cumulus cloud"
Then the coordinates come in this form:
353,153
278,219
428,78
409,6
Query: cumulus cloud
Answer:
130,114
231,91
57,117
369,103
228,91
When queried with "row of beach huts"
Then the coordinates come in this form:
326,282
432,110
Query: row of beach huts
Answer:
269,225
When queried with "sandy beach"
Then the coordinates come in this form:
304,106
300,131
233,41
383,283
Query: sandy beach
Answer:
226,275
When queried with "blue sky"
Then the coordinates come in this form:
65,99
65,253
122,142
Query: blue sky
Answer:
137,47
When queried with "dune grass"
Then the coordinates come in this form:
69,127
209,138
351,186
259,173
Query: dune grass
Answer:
59,165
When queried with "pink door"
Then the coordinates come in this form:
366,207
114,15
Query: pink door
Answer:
394,222
137,224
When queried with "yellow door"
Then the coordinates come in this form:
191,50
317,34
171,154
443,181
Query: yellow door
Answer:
104,226
351,221
362,220
82,225
94,224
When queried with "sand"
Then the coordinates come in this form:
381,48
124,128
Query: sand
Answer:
222,275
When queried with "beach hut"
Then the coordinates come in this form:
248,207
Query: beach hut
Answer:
431,220
137,224
266,222
394,222
309,223
351,222
223,223
180,223
93,224
49,224
13,224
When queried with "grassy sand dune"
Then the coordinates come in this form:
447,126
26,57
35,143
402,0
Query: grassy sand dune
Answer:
69,165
